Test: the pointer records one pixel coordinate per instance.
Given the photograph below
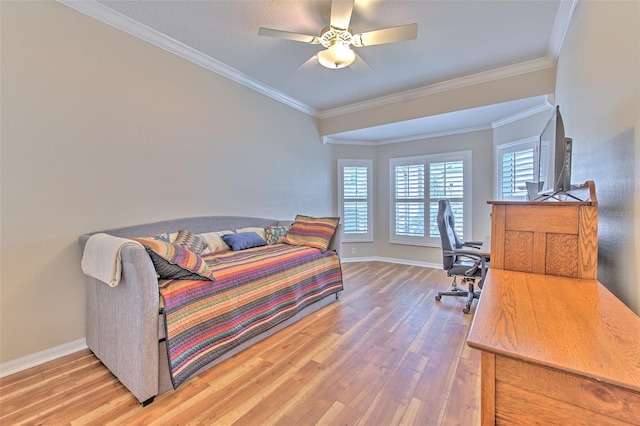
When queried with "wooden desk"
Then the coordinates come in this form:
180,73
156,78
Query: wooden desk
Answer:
555,350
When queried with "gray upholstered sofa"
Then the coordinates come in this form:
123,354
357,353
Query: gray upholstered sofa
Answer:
124,326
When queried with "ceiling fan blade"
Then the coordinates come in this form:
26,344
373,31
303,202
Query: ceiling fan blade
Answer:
268,32
311,62
341,11
360,66
386,35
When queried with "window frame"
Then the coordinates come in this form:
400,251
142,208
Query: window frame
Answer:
364,237
426,240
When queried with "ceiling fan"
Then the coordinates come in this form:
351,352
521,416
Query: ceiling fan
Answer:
337,38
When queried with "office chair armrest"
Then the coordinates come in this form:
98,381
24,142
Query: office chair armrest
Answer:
476,244
474,254
481,262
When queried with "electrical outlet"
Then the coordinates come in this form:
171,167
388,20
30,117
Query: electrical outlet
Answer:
353,250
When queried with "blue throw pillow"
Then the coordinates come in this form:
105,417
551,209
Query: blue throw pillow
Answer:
243,240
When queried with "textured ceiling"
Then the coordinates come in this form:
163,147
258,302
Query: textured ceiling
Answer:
456,39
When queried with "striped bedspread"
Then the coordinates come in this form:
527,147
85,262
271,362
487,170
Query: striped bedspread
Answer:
254,290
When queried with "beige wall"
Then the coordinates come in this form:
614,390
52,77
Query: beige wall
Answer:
100,130
598,90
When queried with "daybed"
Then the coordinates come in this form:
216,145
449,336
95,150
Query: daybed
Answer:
141,339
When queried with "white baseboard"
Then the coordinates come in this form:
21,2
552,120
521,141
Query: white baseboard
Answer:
391,260
47,355
33,360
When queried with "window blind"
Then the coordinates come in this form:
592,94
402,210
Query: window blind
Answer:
409,200
355,200
446,180
417,185
517,168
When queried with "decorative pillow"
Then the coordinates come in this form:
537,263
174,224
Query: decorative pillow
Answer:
256,229
312,232
214,241
244,240
160,237
190,241
173,261
275,234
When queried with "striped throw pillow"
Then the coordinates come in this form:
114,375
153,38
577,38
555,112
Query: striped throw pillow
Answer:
312,231
174,262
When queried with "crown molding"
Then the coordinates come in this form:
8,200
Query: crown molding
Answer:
435,134
337,141
560,28
109,16
457,83
558,34
523,114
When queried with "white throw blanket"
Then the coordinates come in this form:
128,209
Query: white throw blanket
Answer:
101,258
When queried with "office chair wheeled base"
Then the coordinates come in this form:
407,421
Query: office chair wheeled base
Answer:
458,292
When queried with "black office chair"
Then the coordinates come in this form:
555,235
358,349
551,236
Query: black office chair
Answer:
458,261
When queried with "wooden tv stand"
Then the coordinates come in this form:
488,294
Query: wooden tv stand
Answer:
557,347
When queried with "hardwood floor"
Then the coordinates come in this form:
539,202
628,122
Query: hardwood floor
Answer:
385,354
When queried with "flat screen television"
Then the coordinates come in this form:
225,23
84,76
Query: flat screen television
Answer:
553,160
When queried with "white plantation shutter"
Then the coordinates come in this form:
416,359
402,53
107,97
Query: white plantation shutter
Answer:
515,164
355,199
446,180
409,203
418,184
517,168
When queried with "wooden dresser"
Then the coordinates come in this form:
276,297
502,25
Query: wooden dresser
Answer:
557,347
553,238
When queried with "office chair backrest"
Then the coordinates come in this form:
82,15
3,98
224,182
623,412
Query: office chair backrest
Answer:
448,238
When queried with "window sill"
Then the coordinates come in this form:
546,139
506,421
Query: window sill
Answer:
350,240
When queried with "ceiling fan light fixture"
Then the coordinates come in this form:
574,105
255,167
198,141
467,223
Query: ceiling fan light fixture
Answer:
337,38
337,56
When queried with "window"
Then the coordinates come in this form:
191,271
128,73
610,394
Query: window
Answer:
354,187
417,184
515,166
